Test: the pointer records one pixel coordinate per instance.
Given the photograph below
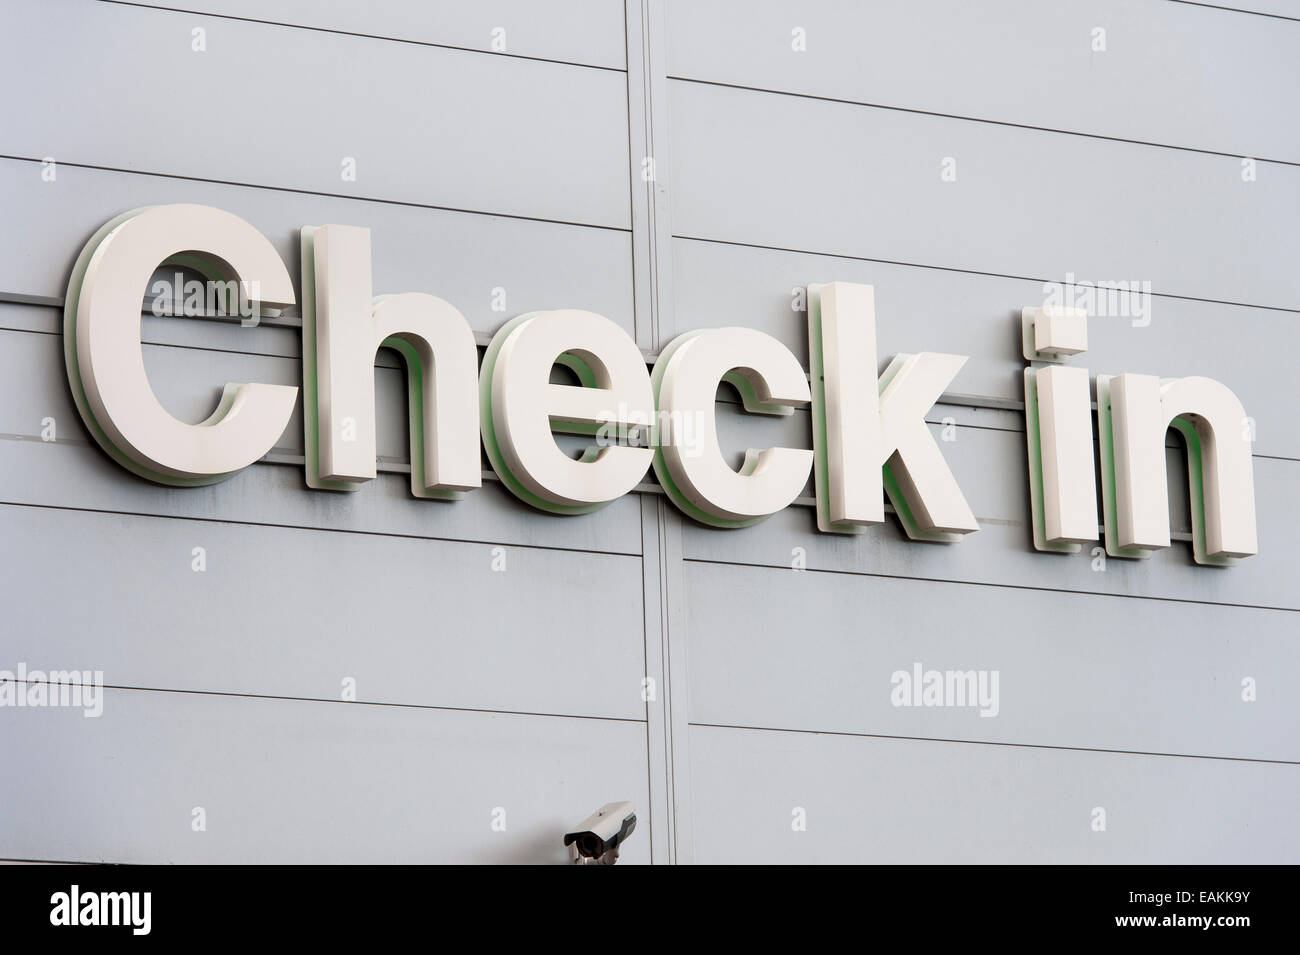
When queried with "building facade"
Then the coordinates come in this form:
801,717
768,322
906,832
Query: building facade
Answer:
303,675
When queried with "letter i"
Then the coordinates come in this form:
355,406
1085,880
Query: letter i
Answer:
1058,428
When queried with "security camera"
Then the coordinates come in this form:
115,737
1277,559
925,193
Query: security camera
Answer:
597,838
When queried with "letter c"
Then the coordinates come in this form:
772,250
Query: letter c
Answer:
105,361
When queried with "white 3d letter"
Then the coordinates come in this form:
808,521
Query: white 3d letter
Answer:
846,406
520,408
688,458
1135,411
1058,424
872,433
101,337
343,328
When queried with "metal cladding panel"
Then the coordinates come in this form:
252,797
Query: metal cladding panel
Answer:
357,677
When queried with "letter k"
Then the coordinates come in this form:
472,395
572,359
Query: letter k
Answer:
870,434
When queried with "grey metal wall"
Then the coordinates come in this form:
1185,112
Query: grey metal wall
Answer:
482,689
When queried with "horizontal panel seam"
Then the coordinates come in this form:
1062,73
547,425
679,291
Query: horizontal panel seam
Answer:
718,84
983,583
370,703
1253,13
639,489
948,268
391,465
980,742
366,36
234,522
328,195
966,401
387,464
947,399
43,861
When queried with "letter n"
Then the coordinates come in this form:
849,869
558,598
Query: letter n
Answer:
1134,413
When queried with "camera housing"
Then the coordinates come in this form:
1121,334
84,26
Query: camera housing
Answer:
597,838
